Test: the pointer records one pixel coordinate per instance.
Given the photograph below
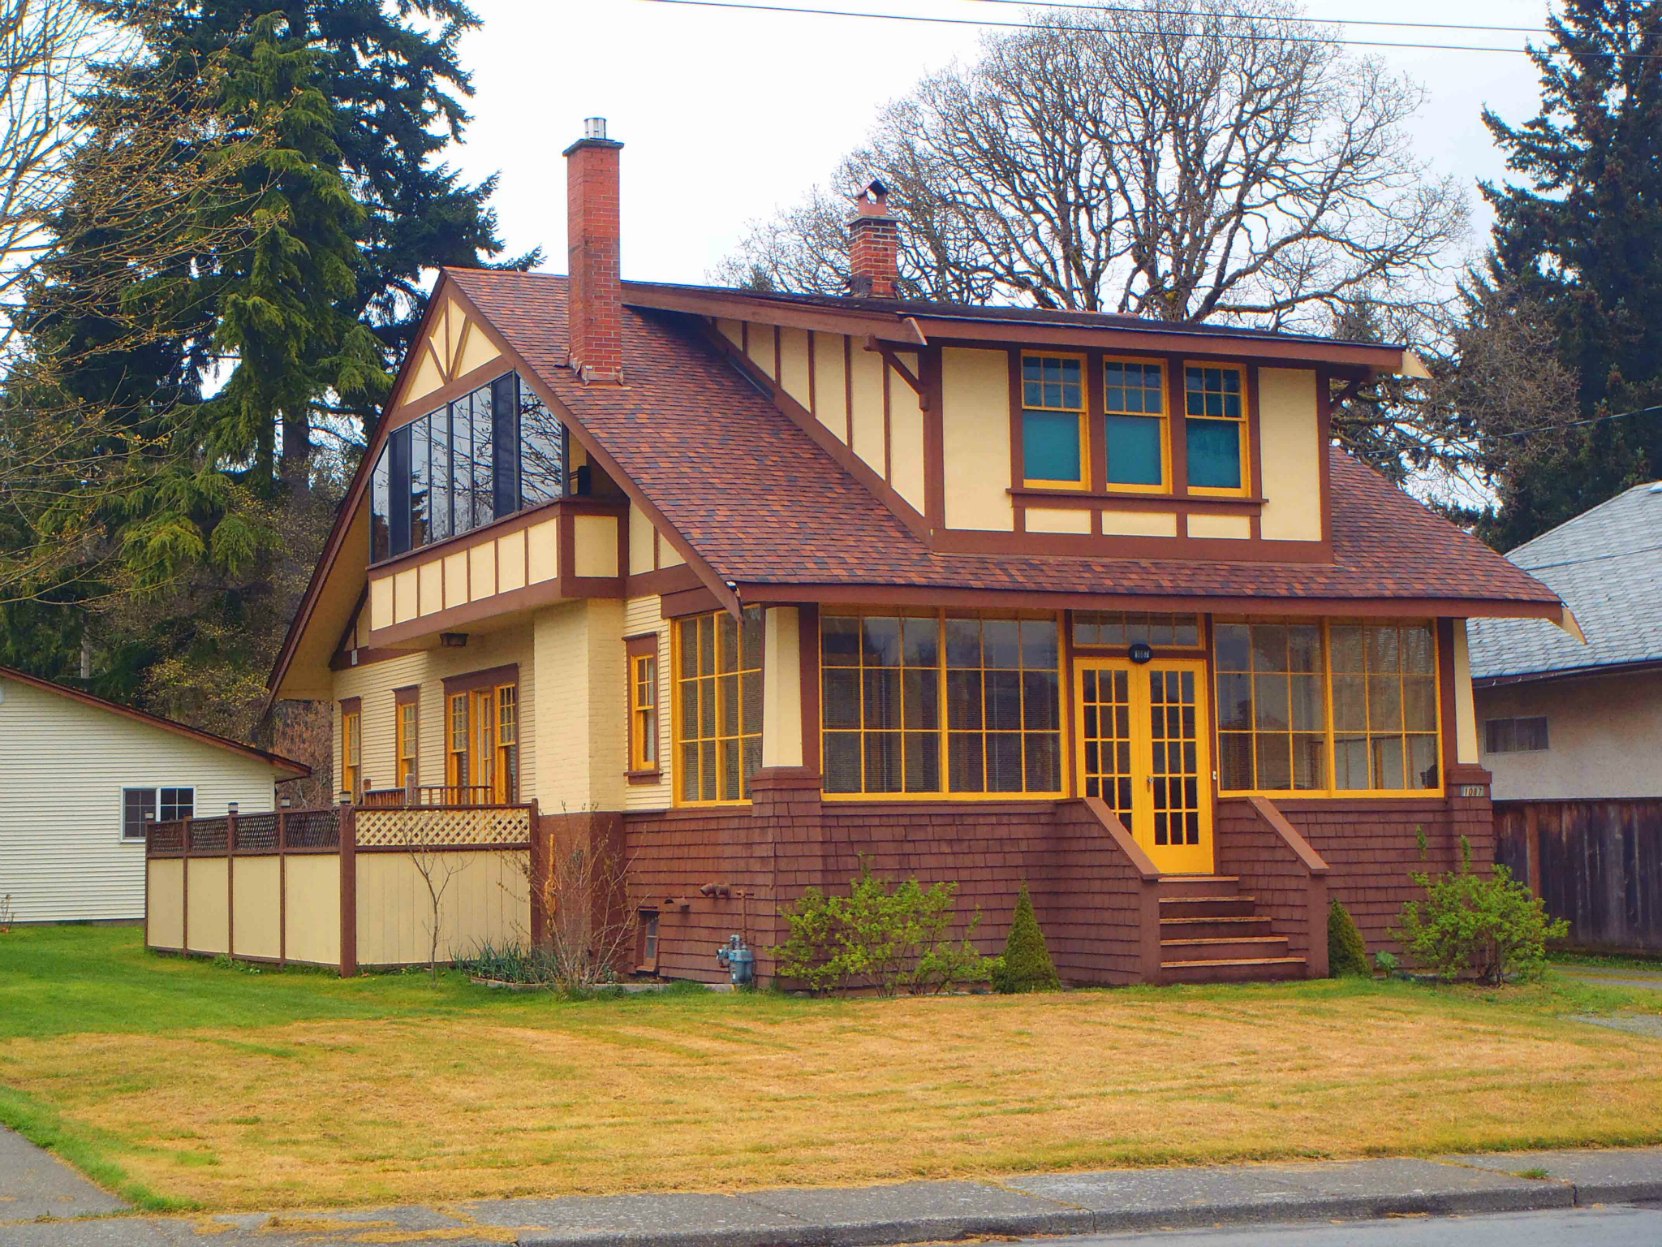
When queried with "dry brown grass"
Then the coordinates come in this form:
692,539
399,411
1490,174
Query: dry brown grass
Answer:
721,1092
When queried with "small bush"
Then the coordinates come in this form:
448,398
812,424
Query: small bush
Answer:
511,964
1468,926
1387,963
1346,953
1026,965
889,937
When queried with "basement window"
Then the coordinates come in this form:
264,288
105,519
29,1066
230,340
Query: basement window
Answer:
646,942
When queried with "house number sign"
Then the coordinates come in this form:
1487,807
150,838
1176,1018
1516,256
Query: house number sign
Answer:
1141,651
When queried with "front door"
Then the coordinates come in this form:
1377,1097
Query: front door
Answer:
1143,736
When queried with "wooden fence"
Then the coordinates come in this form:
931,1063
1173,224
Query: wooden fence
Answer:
345,887
1596,863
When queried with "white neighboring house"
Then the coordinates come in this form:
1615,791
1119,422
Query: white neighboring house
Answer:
78,775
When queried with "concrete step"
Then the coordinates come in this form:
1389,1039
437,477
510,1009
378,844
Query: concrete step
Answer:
1240,970
1179,886
1244,948
1236,927
1206,906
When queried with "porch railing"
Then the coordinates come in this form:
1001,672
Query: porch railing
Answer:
428,795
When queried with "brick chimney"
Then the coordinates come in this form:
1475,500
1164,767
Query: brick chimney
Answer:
873,245
594,295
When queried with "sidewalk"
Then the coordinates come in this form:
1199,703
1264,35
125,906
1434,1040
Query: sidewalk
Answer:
915,1212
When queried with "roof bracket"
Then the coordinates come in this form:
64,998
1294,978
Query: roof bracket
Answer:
906,374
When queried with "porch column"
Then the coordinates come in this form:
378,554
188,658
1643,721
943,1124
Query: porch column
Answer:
781,688
1465,712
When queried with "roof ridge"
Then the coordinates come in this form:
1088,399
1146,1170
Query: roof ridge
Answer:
1647,486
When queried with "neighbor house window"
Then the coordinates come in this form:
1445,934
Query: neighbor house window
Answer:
406,734
1523,735
1215,428
484,456
934,704
1053,439
351,748
718,715
1327,707
1134,405
141,806
643,705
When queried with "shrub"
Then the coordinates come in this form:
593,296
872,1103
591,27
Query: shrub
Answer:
889,937
1346,953
1469,926
510,964
1026,965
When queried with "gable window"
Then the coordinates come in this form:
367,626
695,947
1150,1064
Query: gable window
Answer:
141,806
934,704
643,706
718,711
487,455
351,747
1053,441
1138,444
405,735
1215,427
1519,735
1327,707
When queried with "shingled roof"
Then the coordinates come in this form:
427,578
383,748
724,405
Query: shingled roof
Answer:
1606,564
764,506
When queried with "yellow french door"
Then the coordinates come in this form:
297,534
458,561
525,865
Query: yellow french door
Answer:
1143,734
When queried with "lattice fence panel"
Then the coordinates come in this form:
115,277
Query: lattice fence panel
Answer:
207,835
168,837
257,831
312,829
435,828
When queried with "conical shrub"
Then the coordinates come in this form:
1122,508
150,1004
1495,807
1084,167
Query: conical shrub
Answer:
1026,966
1346,953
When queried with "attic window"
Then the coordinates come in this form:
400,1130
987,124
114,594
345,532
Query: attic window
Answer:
485,456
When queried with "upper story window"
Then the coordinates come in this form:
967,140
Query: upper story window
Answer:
1134,405
484,456
1053,437
1215,428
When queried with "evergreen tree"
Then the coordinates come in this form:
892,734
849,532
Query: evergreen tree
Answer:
1347,955
1579,234
1026,965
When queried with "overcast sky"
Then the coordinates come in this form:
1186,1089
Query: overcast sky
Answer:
726,115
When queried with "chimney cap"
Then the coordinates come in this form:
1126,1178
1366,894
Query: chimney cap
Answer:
594,135
871,202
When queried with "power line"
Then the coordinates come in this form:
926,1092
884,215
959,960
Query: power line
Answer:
748,6
1303,19
1577,424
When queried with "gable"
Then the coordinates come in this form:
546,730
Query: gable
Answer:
451,345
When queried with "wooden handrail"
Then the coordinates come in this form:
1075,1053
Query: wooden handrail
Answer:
1313,861
1110,821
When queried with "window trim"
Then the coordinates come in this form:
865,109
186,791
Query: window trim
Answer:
406,699
677,741
946,792
155,791
1083,483
1167,483
1329,792
1243,431
351,711
639,650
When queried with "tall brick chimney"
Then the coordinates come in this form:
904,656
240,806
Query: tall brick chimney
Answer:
594,297
873,245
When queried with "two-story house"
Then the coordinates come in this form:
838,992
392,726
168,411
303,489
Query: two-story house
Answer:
756,585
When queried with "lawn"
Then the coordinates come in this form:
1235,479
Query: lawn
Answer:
191,1084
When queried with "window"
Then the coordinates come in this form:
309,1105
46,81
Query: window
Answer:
139,806
643,706
505,774
405,735
351,748
646,941
1118,629
481,738
1525,735
934,704
484,456
1053,420
1327,707
457,773
1215,428
1134,404
718,717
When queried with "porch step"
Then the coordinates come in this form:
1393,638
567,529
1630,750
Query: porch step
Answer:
1238,927
1194,886
1233,970
1206,906
1245,948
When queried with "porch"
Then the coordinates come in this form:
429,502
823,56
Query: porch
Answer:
346,886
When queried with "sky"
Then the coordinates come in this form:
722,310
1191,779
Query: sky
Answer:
728,115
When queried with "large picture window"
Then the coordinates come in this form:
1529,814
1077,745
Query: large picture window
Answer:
936,704
1327,707
718,694
486,455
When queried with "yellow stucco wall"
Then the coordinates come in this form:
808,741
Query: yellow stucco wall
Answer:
486,899
495,563
1229,527
1290,452
831,383
795,364
166,902
975,415
1139,523
906,434
1058,520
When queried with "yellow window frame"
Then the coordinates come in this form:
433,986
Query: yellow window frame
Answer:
505,753
351,752
1164,416
1330,750
458,739
1083,482
405,728
1243,430
946,792
643,712
719,685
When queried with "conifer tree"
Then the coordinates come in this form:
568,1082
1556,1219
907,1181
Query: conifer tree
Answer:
1026,965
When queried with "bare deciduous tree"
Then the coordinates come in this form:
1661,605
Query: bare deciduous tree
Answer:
584,892
1195,160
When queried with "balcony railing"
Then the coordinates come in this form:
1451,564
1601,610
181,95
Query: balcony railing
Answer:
429,795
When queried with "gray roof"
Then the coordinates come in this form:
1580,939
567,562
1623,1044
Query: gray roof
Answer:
1606,564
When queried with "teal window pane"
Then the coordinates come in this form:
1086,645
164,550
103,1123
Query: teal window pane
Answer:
1051,382
1214,453
1134,452
1050,445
